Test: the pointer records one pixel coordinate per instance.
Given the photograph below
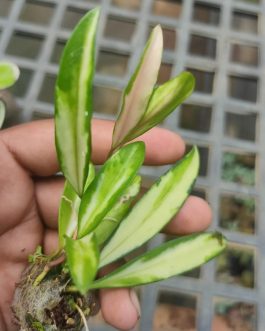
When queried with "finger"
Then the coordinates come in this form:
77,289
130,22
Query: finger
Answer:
48,194
32,145
162,146
120,307
50,241
194,216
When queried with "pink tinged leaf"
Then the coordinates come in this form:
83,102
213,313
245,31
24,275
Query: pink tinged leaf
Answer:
165,99
140,88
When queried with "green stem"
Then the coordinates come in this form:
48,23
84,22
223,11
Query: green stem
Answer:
71,289
47,268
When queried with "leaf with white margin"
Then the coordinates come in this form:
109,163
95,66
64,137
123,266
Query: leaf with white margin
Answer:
109,184
113,218
73,102
171,258
68,213
139,89
154,210
91,175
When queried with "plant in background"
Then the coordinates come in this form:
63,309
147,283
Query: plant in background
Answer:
97,224
9,73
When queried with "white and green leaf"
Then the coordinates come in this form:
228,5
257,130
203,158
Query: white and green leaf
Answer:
165,99
109,184
139,89
154,210
113,218
73,102
9,74
2,113
170,259
82,258
68,213
91,175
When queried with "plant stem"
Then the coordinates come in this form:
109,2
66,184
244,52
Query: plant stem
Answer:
71,289
47,268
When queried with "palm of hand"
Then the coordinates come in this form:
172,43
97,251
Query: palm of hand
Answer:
21,227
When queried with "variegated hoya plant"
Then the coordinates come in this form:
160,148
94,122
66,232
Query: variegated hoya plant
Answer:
95,227
97,223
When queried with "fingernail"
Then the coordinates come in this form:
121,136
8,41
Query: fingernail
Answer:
135,302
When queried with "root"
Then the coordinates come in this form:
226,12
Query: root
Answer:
83,317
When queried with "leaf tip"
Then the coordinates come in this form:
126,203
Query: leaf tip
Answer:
190,79
157,36
95,12
11,73
16,71
194,153
222,241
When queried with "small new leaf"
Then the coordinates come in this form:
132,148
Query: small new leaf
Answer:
139,89
154,210
9,74
113,178
82,259
170,259
73,102
165,99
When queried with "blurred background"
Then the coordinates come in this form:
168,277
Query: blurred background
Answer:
222,44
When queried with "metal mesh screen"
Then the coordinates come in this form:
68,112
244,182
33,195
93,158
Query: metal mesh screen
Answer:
222,44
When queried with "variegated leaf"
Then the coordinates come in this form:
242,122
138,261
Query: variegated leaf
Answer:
73,102
154,210
113,218
172,258
91,175
68,213
139,89
82,259
165,99
113,178
9,73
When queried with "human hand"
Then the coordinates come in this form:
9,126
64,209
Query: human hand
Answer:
30,196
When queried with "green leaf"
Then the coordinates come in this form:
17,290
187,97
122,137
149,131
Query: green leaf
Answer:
82,258
139,89
154,210
9,73
113,218
73,102
172,258
2,113
91,175
109,184
165,99
68,213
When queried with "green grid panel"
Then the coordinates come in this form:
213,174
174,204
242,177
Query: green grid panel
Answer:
222,44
